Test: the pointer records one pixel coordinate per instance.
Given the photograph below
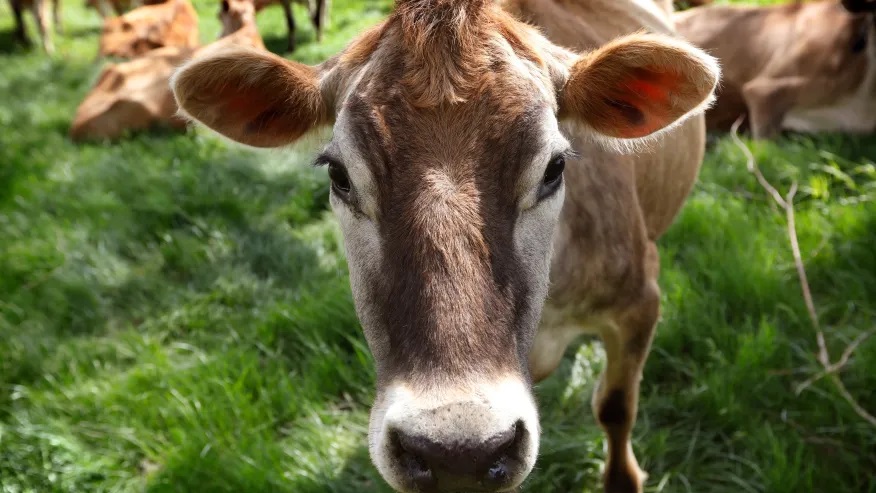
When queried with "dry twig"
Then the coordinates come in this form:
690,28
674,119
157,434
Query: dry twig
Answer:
787,203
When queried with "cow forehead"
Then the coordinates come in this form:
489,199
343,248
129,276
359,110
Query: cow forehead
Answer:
499,127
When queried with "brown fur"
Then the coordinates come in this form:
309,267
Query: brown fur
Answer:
447,123
782,58
430,30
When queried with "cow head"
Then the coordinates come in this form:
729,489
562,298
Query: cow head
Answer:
446,168
173,23
235,15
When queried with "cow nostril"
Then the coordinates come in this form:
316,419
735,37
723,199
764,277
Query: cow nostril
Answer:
412,462
433,465
509,451
417,470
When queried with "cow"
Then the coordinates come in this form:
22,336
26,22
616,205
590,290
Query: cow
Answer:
501,173
317,9
41,16
806,67
172,23
135,95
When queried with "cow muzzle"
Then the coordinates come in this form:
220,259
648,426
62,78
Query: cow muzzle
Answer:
482,438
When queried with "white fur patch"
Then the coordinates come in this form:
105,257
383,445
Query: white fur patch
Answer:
504,402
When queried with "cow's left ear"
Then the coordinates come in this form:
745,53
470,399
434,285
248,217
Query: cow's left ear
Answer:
638,85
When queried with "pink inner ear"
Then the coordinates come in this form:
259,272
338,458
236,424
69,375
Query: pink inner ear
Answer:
648,91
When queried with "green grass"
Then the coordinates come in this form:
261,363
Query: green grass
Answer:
175,312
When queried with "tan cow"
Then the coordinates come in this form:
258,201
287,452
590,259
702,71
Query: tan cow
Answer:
172,23
135,95
807,67
40,9
475,174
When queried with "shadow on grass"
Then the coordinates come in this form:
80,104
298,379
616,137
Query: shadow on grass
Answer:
155,131
216,471
11,44
129,239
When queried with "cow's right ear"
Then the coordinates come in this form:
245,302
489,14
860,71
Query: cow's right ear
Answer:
253,97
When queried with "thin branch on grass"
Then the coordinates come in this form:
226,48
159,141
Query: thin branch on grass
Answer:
787,203
835,367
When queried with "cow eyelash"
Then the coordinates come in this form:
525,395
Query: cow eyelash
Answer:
323,159
570,153
340,180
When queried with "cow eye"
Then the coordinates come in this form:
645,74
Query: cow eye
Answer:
340,179
553,177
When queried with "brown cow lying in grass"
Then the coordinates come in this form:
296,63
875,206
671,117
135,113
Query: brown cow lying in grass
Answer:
172,23
136,95
807,67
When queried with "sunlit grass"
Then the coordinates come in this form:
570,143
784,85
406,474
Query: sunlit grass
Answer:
175,313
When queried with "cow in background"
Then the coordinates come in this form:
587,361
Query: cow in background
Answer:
808,67
172,23
136,95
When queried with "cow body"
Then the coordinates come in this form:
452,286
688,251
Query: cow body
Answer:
131,96
475,172
170,24
807,67
606,259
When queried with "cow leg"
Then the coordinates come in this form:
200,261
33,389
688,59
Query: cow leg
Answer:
290,22
42,17
768,101
20,29
319,16
627,341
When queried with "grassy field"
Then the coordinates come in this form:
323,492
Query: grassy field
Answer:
175,313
